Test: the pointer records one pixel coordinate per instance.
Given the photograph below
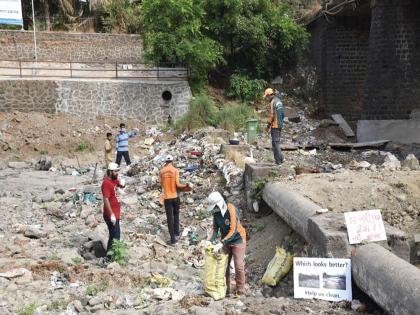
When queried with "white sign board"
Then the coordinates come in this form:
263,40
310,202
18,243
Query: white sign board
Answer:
322,278
11,12
365,226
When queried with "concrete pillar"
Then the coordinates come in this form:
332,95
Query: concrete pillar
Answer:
290,206
392,88
390,281
253,173
326,233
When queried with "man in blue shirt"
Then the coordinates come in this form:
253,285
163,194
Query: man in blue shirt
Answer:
122,144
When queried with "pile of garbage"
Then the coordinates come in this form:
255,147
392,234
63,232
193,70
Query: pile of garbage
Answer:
198,160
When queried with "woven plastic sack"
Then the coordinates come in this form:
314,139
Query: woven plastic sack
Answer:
278,267
214,274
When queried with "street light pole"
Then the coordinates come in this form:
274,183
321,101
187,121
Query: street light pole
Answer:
34,26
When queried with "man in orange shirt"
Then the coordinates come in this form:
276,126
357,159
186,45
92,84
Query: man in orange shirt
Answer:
275,122
169,179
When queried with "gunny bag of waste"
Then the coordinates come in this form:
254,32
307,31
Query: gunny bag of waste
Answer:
278,267
214,274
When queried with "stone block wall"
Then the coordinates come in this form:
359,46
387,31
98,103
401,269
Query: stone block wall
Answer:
393,81
126,99
57,46
25,96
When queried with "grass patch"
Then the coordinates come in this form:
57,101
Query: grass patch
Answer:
57,305
259,226
82,146
54,256
233,117
204,112
94,290
28,309
76,261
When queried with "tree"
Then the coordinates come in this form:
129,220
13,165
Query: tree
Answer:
259,37
122,16
173,33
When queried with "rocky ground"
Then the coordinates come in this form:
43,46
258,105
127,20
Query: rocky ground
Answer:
52,234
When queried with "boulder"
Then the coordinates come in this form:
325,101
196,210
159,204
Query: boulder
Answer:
391,162
411,162
47,196
86,211
44,163
33,231
69,255
18,165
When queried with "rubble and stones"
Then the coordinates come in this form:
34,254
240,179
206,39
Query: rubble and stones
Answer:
57,232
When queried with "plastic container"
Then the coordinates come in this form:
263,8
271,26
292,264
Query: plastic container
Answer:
251,128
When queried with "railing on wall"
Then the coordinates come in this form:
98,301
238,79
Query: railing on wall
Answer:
91,70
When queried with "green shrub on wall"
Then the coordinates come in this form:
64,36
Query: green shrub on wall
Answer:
245,89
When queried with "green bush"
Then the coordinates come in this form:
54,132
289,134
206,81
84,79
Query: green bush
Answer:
119,252
202,112
245,89
234,117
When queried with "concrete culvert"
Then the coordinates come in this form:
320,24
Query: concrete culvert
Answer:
167,96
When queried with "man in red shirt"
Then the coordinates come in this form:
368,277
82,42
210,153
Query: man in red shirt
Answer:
112,203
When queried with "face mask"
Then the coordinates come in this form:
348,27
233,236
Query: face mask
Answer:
114,177
123,129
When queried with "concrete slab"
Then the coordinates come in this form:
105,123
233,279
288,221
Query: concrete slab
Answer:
329,238
400,131
390,281
359,145
343,125
328,235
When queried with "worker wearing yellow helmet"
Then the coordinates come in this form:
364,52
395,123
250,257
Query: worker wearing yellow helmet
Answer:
275,122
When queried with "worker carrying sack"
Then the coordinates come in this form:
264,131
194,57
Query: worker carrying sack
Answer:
214,274
278,267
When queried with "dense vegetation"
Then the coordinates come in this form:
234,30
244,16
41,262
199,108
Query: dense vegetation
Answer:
234,44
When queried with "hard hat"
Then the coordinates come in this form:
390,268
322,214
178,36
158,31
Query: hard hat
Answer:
216,199
268,91
169,158
113,167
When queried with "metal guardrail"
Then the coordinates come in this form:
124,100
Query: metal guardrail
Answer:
91,70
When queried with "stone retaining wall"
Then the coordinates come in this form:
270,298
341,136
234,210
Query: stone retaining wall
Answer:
126,99
56,46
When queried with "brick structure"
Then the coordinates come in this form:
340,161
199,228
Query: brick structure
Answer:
57,46
368,60
393,73
340,51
